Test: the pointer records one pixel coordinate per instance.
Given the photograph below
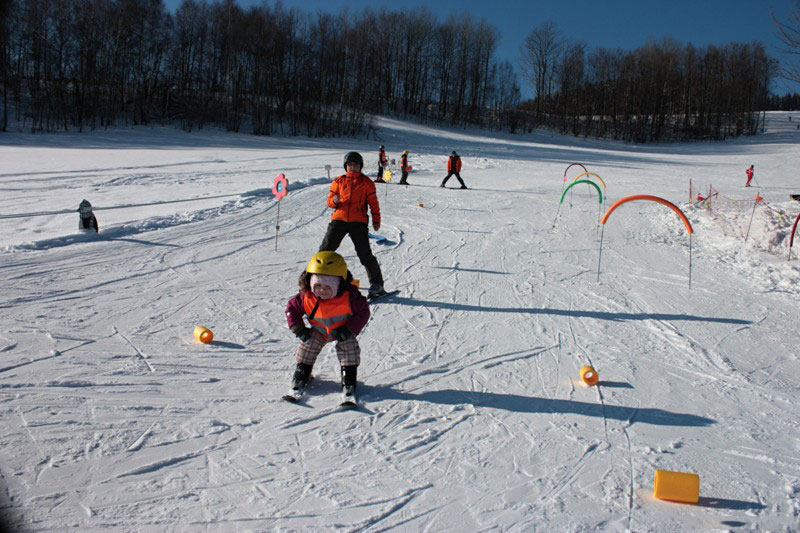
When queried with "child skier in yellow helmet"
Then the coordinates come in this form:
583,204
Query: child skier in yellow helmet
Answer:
336,311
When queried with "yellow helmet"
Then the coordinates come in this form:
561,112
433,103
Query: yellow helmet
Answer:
405,151
327,264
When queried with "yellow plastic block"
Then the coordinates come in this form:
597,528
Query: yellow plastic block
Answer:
676,486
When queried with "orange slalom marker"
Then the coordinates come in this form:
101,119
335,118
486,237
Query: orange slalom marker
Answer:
589,375
203,334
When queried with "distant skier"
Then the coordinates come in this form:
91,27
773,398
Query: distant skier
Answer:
336,311
454,167
87,219
404,167
749,173
349,196
382,164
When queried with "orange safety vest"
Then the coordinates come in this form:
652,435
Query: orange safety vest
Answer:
327,315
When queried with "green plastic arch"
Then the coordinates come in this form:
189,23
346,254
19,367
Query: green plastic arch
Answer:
574,183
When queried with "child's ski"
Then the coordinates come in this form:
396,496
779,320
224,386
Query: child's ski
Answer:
349,399
295,395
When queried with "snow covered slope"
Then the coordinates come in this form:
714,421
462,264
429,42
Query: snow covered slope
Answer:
473,416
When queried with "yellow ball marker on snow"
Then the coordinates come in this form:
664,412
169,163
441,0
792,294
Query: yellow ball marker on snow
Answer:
589,375
203,334
676,486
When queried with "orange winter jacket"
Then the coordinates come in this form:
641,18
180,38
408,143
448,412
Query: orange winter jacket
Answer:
454,163
355,192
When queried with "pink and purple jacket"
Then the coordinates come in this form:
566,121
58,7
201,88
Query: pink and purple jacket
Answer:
355,319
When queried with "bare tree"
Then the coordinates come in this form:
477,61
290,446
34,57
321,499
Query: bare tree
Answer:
788,32
539,54
5,52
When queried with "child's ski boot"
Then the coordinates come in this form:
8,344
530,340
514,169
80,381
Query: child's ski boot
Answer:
349,399
300,380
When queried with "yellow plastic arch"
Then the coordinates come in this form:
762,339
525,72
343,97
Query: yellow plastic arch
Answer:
590,174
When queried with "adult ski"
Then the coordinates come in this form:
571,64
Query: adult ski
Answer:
382,295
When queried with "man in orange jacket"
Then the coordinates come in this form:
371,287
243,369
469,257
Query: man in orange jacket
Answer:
349,197
454,167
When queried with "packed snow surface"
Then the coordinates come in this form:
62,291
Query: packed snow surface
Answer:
473,415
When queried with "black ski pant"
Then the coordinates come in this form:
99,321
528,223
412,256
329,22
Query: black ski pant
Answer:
359,234
380,172
404,177
457,176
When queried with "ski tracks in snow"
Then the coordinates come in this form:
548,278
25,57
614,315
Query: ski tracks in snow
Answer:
139,353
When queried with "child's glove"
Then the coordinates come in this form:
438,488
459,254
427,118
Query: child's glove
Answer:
377,226
335,199
343,333
303,333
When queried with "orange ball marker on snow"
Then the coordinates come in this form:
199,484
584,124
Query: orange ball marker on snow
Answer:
203,334
589,375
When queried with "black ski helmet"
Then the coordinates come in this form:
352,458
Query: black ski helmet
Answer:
353,157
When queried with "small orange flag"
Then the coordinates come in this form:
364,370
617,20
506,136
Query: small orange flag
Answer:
758,198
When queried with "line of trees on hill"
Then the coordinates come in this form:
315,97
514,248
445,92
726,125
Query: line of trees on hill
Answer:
91,63
77,64
787,102
660,91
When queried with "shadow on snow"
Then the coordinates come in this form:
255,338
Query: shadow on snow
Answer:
600,315
532,404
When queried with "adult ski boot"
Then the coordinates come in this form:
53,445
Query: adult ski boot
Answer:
375,291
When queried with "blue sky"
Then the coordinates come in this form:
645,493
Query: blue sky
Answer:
625,24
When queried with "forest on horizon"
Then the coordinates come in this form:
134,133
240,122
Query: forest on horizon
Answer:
267,70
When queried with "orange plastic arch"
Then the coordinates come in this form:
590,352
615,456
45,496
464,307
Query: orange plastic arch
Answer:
650,199
590,174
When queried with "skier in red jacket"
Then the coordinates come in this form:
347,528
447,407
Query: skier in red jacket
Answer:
454,167
749,173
